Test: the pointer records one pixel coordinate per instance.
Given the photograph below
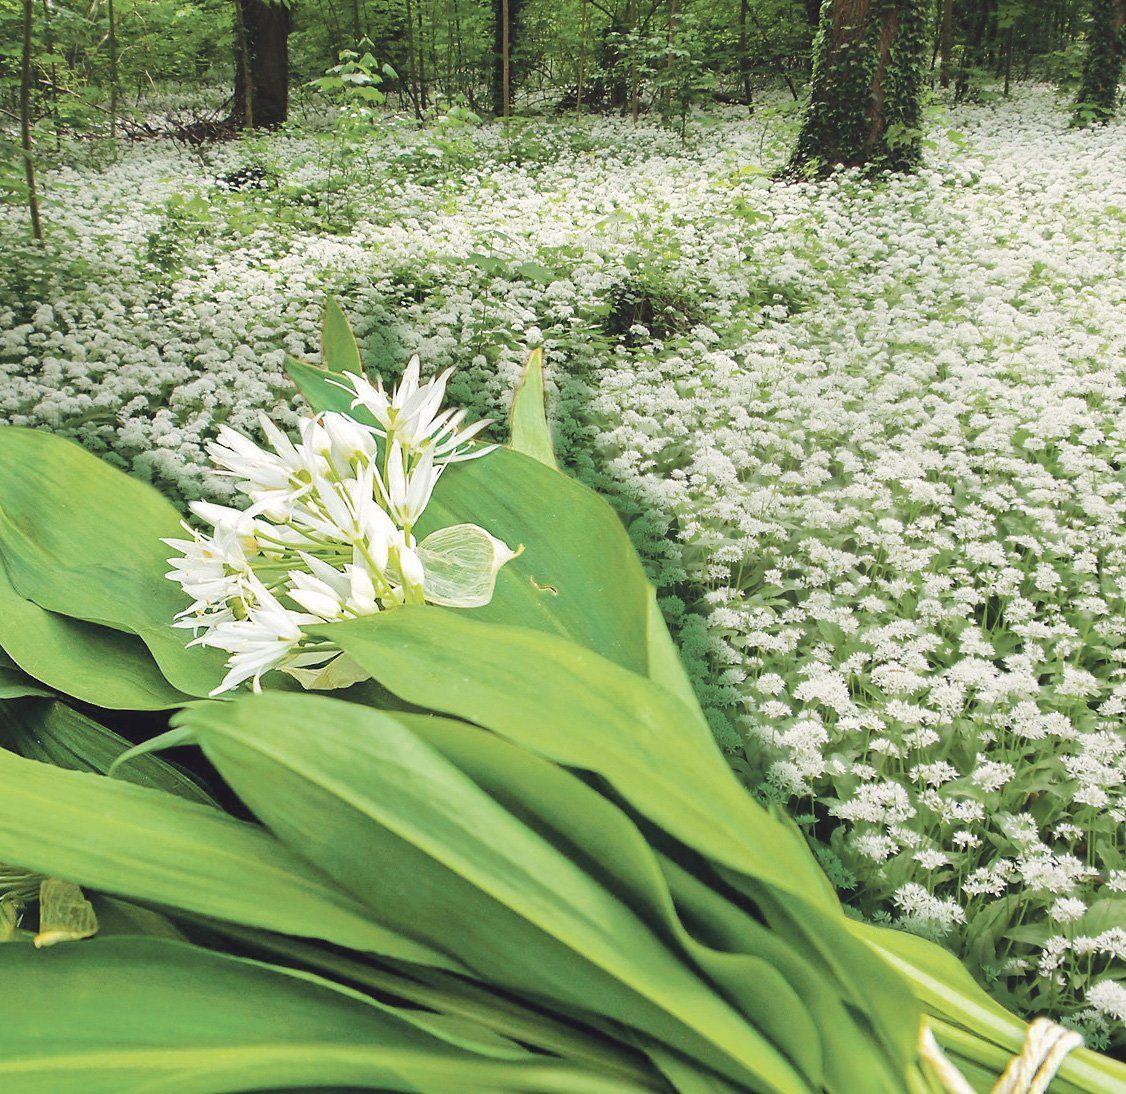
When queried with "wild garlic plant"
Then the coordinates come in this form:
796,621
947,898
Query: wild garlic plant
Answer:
877,422
330,532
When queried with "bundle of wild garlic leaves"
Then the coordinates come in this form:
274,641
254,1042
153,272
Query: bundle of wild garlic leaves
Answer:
503,854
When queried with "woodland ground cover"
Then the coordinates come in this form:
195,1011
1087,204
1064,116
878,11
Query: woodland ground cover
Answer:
867,436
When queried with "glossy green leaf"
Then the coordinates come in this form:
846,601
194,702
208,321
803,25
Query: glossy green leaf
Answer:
104,667
945,989
784,989
53,733
150,846
445,862
576,708
582,711
123,917
16,684
339,351
321,389
573,815
578,576
83,539
528,428
122,1015
448,994
683,1075
665,665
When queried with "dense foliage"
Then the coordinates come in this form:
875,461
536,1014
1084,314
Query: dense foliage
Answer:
604,53
828,297
530,865
867,450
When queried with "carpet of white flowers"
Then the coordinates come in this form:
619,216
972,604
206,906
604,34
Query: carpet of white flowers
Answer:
868,437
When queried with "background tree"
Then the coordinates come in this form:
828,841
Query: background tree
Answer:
1102,65
261,95
865,86
946,42
506,19
25,124
449,50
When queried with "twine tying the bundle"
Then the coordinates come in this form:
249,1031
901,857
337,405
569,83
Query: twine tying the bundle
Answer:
1046,1046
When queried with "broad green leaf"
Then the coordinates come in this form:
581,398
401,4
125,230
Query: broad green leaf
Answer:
870,987
683,1075
573,815
665,666
339,351
53,733
779,986
321,389
446,993
445,862
15,684
578,575
149,846
122,917
578,709
582,711
845,1033
104,667
946,990
83,539
527,421
118,1015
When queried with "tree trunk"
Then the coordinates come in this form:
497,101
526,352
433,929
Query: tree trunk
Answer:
582,58
357,23
744,59
25,126
49,42
412,62
111,43
506,28
864,104
261,99
1008,59
670,46
1102,66
634,89
506,64
421,55
946,43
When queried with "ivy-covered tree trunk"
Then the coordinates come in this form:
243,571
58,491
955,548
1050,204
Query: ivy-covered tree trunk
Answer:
265,65
1102,66
864,104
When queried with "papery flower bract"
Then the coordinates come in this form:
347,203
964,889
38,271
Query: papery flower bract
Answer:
329,535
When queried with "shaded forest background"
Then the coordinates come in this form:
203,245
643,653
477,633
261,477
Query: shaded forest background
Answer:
90,59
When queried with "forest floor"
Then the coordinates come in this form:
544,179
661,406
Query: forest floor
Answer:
867,436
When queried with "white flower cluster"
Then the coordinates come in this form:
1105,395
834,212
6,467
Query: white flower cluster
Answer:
329,533
868,438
